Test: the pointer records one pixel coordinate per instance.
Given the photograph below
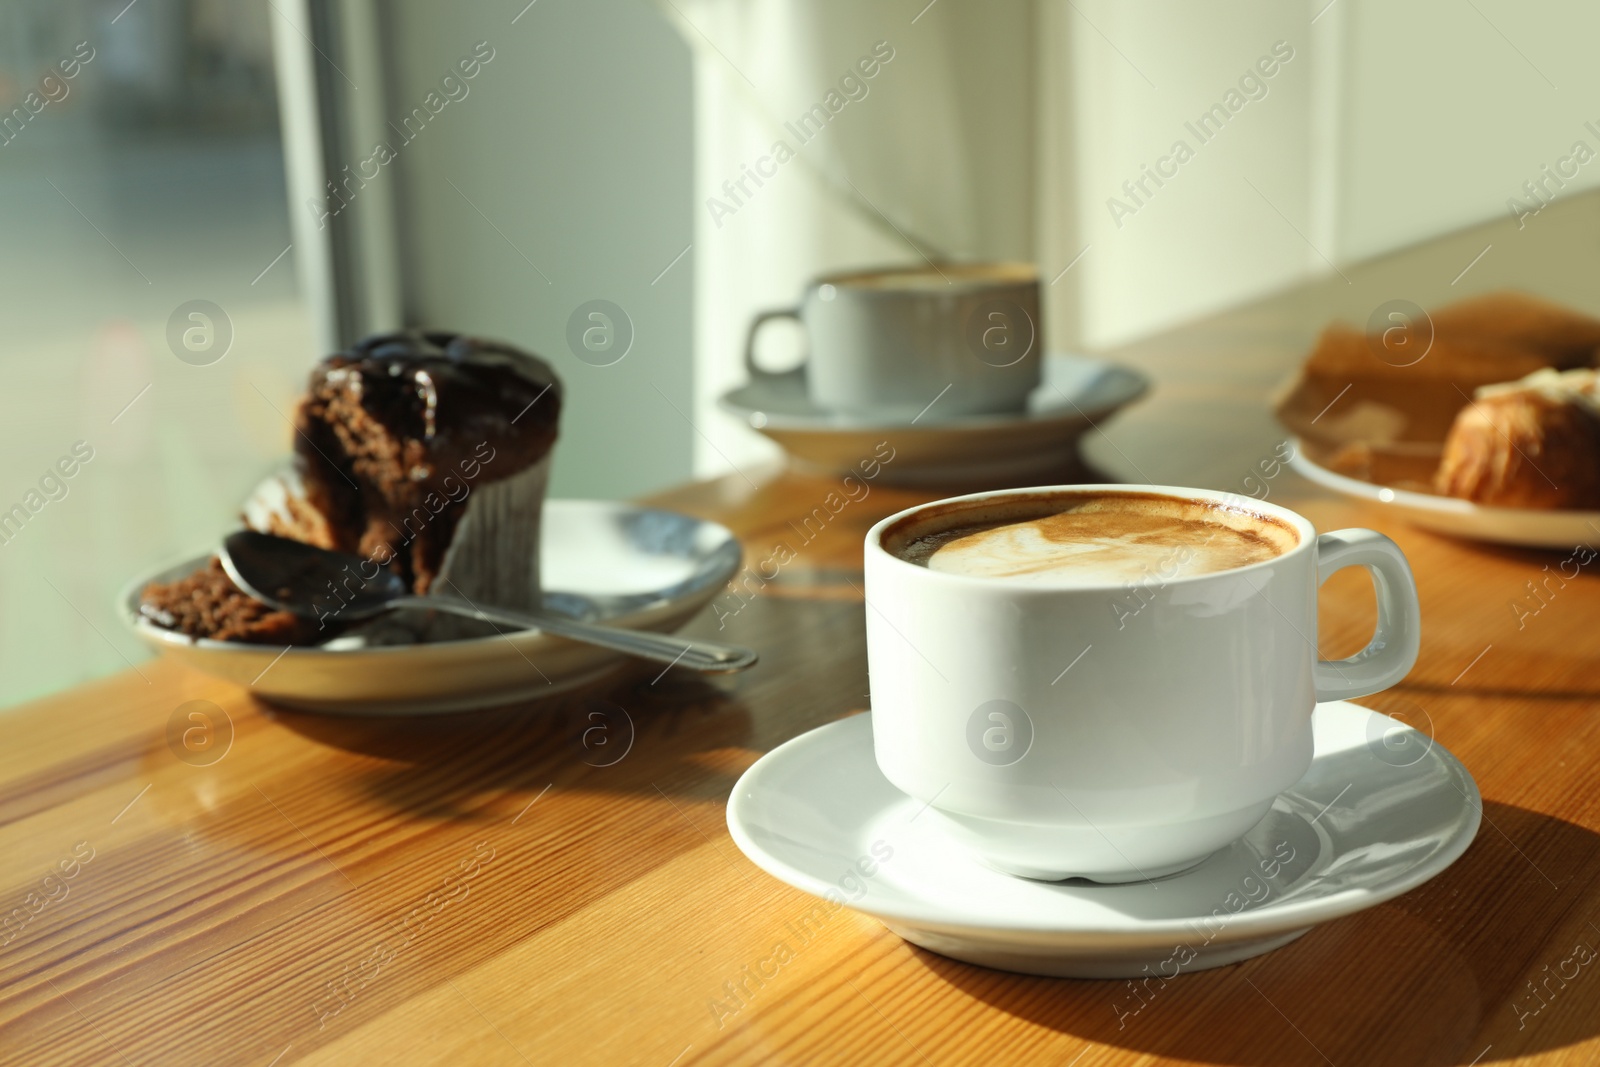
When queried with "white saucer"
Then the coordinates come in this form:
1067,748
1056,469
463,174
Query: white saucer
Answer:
624,565
1077,394
1382,810
1529,527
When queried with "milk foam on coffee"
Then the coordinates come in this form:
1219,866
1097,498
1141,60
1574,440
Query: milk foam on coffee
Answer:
1106,540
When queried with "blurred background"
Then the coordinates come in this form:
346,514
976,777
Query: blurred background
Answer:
199,198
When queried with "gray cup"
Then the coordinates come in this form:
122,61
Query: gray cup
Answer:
887,343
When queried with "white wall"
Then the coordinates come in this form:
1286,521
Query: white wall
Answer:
576,142
1392,124
1223,228
1447,108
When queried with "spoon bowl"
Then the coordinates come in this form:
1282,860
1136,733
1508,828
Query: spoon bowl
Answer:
312,582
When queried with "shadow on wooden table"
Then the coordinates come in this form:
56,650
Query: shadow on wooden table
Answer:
1495,958
445,766
1071,469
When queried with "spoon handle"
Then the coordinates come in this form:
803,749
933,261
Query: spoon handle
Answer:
707,656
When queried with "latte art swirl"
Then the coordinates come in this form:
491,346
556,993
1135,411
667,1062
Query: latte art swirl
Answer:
1104,540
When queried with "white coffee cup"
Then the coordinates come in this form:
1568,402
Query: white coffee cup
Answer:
1059,729
961,338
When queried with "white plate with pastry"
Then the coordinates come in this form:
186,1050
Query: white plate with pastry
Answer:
1520,465
615,563
1528,527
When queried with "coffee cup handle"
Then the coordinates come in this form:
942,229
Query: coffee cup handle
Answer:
750,341
1392,652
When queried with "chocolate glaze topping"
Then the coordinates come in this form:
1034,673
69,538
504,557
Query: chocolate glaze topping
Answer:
452,391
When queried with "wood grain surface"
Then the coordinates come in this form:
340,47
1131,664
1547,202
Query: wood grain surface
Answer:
473,888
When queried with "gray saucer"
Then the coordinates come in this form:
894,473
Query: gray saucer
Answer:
1077,394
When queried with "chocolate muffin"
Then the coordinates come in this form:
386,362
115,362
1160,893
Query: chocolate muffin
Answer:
425,452
420,449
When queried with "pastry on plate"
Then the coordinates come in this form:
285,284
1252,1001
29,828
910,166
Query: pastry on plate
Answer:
1405,384
1532,443
427,453
1562,337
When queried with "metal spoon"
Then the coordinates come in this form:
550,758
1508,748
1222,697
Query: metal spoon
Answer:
317,583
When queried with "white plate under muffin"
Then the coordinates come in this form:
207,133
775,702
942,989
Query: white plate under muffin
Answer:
615,563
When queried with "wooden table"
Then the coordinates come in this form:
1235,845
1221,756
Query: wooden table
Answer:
470,889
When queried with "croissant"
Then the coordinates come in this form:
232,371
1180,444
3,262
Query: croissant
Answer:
1532,443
